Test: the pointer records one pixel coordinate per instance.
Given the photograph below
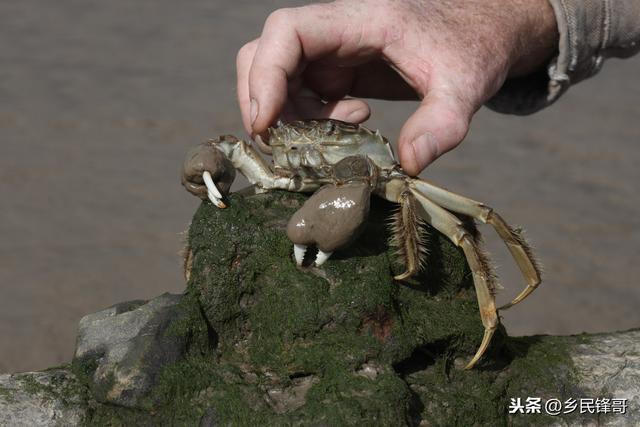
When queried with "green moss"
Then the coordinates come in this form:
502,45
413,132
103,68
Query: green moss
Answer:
538,366
83,369
542,367
192,325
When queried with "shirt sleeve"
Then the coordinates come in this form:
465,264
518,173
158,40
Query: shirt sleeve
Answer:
590,32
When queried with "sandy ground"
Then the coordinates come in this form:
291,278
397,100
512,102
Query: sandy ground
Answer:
99,101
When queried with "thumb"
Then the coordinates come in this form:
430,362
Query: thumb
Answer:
436,127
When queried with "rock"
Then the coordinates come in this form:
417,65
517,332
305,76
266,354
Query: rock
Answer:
126,346
50,398
609,367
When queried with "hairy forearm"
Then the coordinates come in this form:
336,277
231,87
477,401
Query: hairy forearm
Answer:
540,43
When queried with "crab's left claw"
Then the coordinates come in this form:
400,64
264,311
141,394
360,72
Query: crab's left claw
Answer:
207,172
330,219
213,193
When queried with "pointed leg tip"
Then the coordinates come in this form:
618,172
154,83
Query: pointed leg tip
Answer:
484,345
403,276
506,306
523,295
470,365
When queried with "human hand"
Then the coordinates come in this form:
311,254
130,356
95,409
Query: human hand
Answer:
452,55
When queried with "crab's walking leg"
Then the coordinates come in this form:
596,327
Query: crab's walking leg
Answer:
513,238
452,227
408,235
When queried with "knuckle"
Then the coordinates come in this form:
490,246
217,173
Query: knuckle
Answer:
278,18
246,52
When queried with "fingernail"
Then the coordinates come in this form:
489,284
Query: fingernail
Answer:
425,148
254,111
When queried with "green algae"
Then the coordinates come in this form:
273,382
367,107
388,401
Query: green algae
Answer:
538,366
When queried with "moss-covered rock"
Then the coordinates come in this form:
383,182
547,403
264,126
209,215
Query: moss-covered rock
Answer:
273,343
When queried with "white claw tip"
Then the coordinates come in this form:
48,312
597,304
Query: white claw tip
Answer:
214,194
298,253
322,257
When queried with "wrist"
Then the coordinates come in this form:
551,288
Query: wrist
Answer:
538,41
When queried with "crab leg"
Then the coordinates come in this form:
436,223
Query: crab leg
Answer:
408,235
513,238
452,227
246,159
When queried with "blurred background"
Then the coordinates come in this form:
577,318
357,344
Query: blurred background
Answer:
100,100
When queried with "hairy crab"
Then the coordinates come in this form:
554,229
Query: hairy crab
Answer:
347,163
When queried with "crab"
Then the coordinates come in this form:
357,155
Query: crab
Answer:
344,164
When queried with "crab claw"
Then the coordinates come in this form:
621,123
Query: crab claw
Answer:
322,257
213,193
330,219
298,253
207,172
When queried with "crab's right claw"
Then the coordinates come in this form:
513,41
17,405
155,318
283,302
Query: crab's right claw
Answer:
207,173
329,220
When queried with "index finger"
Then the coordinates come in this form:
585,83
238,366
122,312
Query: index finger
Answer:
291,38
